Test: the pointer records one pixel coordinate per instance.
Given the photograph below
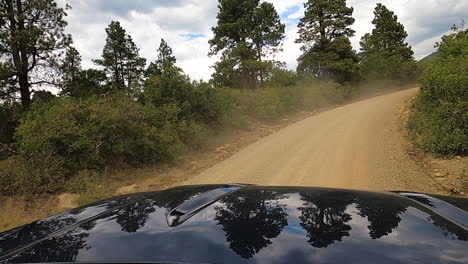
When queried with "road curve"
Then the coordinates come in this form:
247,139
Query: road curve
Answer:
355,146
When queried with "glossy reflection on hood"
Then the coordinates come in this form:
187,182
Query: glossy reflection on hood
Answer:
263,225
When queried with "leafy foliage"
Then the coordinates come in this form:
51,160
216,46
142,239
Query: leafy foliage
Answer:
324,32
167,85
277,100
57,139
440,122
10,113
96,132
37,176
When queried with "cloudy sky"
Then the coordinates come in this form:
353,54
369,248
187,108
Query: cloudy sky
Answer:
186,26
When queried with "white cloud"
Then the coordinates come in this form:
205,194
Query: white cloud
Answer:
147,21
425,21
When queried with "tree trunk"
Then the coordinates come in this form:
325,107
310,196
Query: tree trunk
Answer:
259,54
24,65
25,92
20,57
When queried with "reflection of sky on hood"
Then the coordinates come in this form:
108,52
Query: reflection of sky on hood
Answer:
204,239
397,247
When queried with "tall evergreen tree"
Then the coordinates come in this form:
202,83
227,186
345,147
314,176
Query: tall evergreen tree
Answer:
165,61
71,66
324,32
77,82
166,83
247,33
121,60
385,52
31,40
267,36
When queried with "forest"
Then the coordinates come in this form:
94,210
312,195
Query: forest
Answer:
61,124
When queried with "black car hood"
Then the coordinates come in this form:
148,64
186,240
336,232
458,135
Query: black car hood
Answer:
249,224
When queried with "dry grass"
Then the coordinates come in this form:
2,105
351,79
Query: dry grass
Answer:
18,211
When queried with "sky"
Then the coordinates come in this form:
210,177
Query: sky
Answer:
186,26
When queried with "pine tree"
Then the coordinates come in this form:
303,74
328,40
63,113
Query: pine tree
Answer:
225,74
384,52
165,61
166,83
77,82
388,36
324,32
71,66
121,60
267,36
246,33
32,40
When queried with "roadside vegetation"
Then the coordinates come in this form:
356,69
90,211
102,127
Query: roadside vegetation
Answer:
439,122
62,126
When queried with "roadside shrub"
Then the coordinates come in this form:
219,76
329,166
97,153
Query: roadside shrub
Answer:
63,143
313,93
272,102
197,101
207,105
43,174
82,181
433,129
194,135
439,123
381,67
10,113
282,78
98,132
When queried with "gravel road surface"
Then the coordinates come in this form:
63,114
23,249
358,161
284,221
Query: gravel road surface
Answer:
355,146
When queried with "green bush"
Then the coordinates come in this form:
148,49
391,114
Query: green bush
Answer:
10,113
272,102
63,143
439,123
194,135
98,132
383,66
197,101
282,78
60,139
43,174
434,129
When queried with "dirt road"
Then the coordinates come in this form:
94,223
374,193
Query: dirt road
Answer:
356,146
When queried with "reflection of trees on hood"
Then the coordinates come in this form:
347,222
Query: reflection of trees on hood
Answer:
63,248
251,219
447,228
37,230
383,214
324,218
134,216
